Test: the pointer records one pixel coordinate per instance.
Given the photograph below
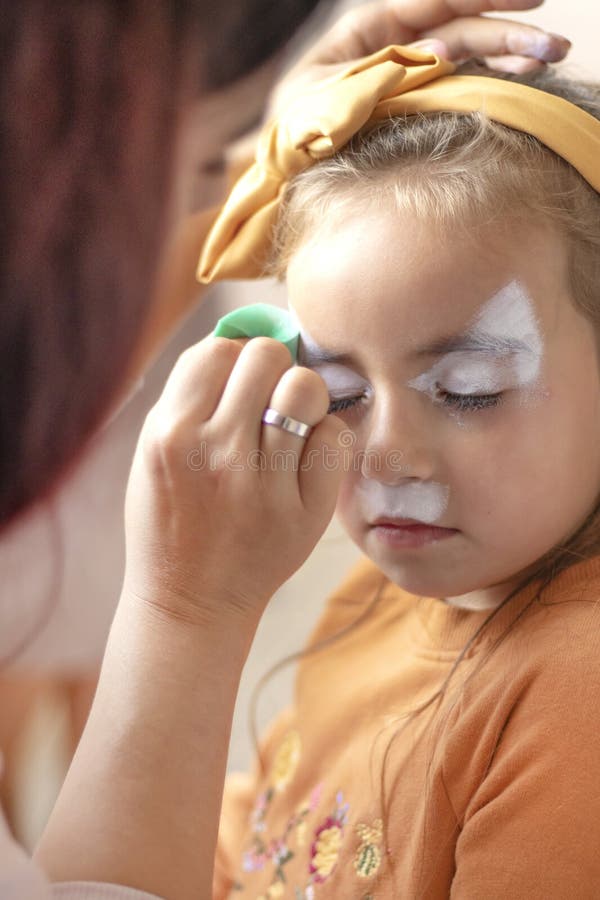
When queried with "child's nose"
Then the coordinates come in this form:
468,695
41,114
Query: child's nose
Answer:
399,443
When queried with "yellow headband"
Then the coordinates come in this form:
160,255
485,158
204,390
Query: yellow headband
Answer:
395,81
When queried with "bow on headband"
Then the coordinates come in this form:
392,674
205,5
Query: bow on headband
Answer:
394,81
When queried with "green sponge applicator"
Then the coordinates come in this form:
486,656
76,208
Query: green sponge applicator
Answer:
260,320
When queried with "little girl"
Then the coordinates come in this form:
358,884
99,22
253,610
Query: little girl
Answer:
443,270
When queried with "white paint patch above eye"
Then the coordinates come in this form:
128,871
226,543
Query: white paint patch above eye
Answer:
463,373
425,501
508,317
339,379
510,314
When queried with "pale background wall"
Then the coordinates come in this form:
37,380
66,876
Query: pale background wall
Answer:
90,514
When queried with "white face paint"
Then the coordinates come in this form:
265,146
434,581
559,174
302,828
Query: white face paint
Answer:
425,501
502,349
340,379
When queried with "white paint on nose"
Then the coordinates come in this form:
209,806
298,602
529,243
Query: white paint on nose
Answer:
425,501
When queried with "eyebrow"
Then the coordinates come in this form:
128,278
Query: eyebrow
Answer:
473,342
315,356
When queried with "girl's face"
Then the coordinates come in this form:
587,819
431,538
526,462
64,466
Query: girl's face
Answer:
469,386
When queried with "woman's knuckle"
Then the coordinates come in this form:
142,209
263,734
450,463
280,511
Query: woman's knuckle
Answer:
270,349
307,383
210,348
162,435
315,382
224,346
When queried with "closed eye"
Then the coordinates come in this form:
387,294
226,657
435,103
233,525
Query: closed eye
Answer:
336,406
467,402
460,402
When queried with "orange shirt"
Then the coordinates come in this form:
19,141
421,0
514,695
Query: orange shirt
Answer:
502,804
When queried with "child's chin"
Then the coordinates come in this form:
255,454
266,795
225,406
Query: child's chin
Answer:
417,576
407,577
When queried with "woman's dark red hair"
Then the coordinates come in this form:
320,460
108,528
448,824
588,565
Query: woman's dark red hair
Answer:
89,106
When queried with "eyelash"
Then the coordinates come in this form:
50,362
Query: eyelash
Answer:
336,406
460,402
469,402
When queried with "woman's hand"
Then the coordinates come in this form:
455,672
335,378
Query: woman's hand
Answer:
221,510
454,29
207,546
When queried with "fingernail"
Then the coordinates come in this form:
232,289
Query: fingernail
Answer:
540,45
562,38
547,47
433,45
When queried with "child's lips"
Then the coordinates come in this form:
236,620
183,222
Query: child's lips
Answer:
399,523
408,533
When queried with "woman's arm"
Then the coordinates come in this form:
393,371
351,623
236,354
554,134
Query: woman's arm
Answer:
141,803
211,536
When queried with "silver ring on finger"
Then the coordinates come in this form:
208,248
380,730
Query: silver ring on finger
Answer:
286,423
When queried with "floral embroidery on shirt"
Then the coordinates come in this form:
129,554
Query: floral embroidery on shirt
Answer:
286,761
257,818
324,849
272,892
327,838
278,851
368,856
302,810
328,841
